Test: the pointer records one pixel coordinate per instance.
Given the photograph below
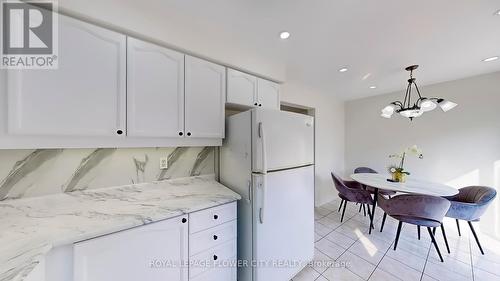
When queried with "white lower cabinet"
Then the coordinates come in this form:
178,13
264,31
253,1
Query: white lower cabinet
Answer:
222,274
212,244
155,252
214,261
160,251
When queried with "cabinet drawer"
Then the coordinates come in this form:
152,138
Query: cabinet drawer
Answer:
217,274
211,217
212,237
214,259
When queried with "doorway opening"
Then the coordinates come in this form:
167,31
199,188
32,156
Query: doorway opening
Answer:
285,106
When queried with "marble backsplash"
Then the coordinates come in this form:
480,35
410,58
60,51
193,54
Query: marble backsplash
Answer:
27,173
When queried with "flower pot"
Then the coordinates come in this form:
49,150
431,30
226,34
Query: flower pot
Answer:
399,177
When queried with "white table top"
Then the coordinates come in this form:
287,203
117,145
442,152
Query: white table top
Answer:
410,186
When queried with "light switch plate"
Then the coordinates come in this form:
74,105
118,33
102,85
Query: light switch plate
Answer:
163,163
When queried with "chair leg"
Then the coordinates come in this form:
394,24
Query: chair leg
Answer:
341,203
435,243
458,227
343,211
445,239
383,221
434,230
370,215
364,210
360,206
418,231
475,236
400,225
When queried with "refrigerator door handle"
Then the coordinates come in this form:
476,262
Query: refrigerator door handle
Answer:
262,186
249,191
262,136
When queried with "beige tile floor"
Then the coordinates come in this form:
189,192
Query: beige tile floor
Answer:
345,251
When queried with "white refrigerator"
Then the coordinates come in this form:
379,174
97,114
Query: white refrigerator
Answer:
268,158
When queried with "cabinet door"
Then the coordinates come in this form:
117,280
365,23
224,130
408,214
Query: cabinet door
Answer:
85,96
268,93
155,90
241,88
153,252
204,98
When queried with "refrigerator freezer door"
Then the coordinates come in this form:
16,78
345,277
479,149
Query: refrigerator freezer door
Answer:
281,140
283,223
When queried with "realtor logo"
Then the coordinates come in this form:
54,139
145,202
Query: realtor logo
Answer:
28,35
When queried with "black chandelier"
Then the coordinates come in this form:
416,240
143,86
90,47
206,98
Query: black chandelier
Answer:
411,110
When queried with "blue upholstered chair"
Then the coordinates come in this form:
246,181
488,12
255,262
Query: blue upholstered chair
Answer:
421,210
470,204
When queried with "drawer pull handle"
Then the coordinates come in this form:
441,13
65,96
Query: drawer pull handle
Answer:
216,217
215,257
184,220
215,237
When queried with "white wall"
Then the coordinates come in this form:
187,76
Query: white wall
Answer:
461,147
329,138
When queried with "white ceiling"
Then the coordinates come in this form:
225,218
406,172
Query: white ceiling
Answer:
375,39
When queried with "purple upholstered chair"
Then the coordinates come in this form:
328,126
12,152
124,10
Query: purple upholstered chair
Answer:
421,210
367,170
351,191
470,204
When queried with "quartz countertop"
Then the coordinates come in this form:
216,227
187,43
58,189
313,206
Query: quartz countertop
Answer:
31,227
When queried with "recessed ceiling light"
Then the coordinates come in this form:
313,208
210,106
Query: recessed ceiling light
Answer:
497,13
343,69
490,59
373,87
284,35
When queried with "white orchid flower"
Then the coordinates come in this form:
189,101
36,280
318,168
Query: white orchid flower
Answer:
414,150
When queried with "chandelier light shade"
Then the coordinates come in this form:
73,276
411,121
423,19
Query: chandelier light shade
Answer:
409,109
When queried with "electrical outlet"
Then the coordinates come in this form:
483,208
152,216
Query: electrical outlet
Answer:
163,163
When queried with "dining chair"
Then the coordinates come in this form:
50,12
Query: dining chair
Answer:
469,205
367,170
421,210
351,191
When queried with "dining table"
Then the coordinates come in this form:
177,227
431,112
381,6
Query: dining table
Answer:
410,186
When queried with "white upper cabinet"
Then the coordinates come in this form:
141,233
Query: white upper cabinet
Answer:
204,98
268,94
249,91
152,252
85,96
241,88
155,90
